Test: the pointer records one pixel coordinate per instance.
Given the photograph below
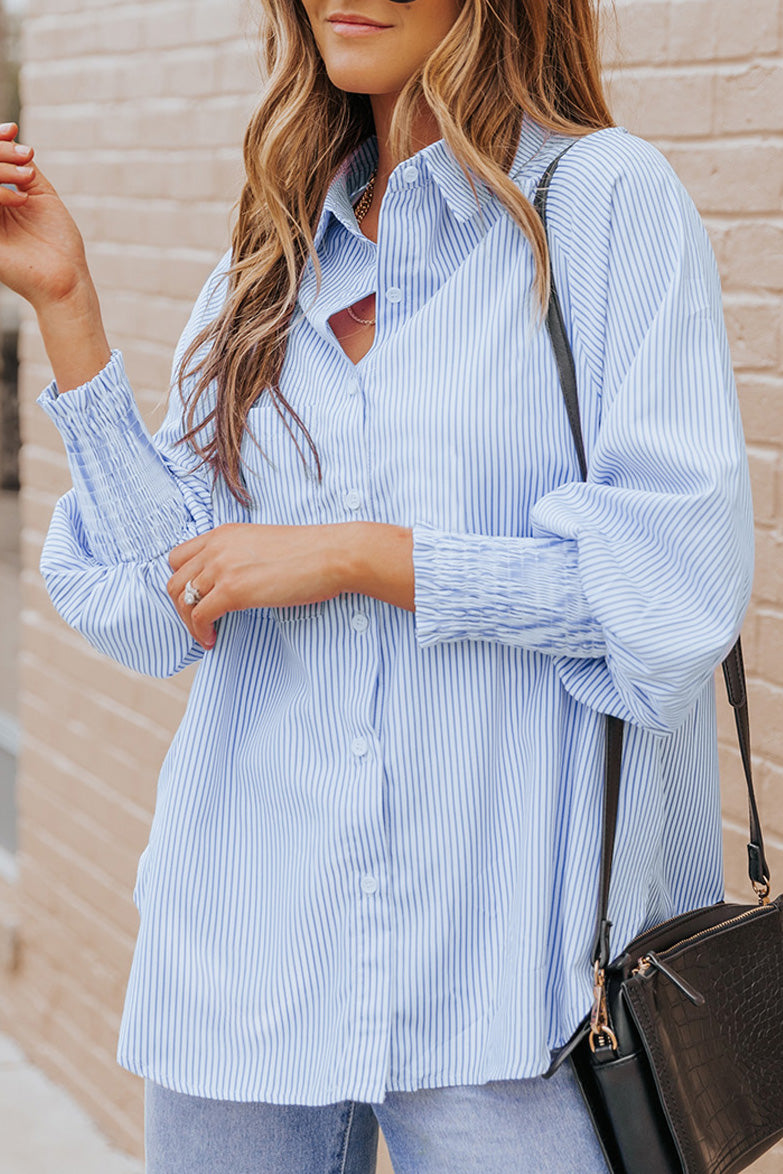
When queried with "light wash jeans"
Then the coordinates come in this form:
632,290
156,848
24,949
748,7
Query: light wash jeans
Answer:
532,1126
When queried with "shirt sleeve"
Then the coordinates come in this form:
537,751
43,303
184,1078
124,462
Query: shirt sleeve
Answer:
138,495
635,581
134,497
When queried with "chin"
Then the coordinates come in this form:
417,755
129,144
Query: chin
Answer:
363,79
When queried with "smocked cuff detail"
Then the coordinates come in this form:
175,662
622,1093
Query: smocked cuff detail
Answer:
101,396
133,506
522,591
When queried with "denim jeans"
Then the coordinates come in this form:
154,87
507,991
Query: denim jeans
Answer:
532,1126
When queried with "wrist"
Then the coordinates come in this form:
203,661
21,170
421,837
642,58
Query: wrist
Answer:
348,553
76,301
72,331
376,559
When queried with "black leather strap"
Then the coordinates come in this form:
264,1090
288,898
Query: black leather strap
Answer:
736,687
556,327
733,668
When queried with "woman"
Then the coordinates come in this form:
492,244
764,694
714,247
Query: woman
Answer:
369,893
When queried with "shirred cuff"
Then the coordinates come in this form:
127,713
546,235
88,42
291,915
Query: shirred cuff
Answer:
523,591
101,395
133,505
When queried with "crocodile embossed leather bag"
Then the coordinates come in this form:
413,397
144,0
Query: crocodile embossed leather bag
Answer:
680,1061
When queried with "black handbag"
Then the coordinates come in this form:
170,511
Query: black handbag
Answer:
680,1061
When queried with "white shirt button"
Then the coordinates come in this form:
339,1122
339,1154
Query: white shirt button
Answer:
369,884
353,499
359,622
410,173
360,745
352,387
393,294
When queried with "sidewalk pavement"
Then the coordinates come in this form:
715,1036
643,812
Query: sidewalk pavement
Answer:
42,1129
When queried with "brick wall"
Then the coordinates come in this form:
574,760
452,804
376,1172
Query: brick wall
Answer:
137,112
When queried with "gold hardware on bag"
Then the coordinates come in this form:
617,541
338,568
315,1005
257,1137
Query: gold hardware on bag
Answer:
762,891
599,1019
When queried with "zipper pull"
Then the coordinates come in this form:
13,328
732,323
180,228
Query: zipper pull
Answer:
652,959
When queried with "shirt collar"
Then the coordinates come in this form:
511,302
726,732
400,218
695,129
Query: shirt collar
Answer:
440,165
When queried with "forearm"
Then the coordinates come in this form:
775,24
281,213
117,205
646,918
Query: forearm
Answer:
73,335
379,563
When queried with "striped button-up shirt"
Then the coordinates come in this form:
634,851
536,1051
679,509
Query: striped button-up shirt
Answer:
373,860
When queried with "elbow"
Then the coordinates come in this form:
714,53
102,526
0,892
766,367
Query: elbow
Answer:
114,613
659,691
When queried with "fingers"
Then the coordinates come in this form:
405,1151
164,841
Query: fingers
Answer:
196,617
11,152
201,621
199,628
12,199
15,159
195,572
10,173
186,550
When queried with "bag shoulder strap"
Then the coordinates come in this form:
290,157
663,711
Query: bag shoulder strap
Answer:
733,667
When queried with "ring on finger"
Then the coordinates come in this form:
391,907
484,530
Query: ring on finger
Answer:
191,593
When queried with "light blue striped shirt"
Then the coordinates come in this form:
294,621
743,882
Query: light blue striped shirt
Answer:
373,862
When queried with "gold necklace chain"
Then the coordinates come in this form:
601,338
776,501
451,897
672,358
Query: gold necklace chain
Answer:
363,204
360,209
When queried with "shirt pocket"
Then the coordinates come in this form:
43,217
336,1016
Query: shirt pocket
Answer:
283,487
302,611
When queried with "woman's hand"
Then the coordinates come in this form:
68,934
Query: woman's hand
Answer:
42,259
241,565
42,254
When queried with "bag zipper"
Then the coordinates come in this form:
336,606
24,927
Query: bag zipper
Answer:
672,922
653,959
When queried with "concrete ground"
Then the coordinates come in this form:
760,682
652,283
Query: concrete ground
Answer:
43,1130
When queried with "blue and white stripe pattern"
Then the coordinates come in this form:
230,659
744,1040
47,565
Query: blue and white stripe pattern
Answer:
373,862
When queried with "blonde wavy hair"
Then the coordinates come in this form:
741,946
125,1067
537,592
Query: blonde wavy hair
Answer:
500,58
